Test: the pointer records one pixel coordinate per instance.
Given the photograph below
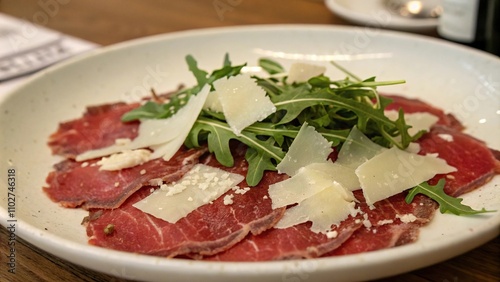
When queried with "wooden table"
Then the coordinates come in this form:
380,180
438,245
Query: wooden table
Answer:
111,21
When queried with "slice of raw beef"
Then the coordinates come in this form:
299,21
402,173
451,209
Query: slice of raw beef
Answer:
295,242
476,164
414,106
392,223
300,242
99,127
81,184
210,229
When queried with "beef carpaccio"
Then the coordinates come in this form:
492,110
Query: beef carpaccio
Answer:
242,230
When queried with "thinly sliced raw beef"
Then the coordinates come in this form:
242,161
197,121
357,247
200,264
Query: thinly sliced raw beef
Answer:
392,223
414,106
99,127
82,184
291,243
300,242
476,164
209,229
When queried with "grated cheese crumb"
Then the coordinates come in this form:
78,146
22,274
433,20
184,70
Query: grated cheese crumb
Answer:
85,164
155,182
175,189
117,184
142,172
385,221
407,218
332,234
366,222
228,199
446,137
354,211
122,141
125,159
240,191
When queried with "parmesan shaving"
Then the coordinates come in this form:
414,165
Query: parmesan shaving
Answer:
201,185
301,186
243,101
357,149
308,147
302,72
324,209
395,170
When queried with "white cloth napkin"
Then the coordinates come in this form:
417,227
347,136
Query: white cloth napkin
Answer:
26,48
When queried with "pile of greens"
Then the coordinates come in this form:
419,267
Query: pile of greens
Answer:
333,107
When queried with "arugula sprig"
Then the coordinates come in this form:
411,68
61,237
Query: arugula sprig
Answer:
447,204
333,107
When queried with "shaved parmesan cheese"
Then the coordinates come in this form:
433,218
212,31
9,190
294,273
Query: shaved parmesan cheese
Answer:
324,209
302,72
418,121
357,149
125,159
344,175
212,103
201,185
243,101
163,135
395,170
301,186
413,148
308,147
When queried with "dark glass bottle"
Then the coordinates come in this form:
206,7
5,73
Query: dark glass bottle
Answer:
473,23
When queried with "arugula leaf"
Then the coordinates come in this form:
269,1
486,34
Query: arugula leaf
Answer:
447,204
153,110
258,162
278,132
270,66
293,100
200,75
149,110
218,134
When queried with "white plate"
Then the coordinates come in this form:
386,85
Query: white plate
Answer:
455,78
373,14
